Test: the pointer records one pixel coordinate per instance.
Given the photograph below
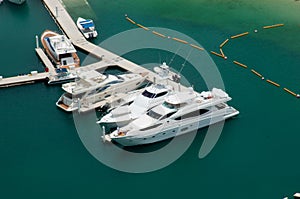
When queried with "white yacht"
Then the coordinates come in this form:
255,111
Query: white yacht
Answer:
149,97
60,49
87,27
62,75
181,112
93,86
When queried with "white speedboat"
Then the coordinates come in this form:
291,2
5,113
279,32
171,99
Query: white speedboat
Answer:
87,27
60,49
148,98
93,86
182,112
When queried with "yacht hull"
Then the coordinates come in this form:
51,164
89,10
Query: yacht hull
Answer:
173,129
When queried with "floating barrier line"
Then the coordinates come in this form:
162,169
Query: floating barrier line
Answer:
224,42
217,54
158,34
256,73
197,47
130,20
274,83
273,26
145,28
179,40
240,64
222,53
290,92
239,35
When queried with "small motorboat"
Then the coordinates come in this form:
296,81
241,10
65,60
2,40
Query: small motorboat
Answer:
87,27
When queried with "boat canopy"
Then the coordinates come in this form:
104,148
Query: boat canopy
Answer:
61,70
87,24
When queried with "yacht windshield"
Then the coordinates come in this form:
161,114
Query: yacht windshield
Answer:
148,94
154,115
168,105
115,82
99,90
154,95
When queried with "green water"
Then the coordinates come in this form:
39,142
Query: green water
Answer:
42,156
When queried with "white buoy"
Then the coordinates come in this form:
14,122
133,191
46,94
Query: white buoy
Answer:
255,31
103,134
37,41
56,11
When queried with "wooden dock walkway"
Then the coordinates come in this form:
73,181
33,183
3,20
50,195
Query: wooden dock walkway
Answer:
46,60
23,79
33,76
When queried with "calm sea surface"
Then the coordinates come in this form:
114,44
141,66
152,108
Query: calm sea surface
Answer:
257,156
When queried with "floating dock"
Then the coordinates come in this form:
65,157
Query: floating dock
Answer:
30,78
48,64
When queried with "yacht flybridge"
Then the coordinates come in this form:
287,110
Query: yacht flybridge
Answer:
60,49
147,98
180,113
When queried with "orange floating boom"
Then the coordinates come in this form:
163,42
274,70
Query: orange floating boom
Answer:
130,20
217,54
240,64
290,92
139,25
256,73
158,34
274,83
197,47
273,26
179,40
239,35
222,53
224,42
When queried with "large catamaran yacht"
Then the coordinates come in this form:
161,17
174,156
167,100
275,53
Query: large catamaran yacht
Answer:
93,86
181,112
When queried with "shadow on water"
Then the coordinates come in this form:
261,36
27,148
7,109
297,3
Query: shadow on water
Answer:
20,11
